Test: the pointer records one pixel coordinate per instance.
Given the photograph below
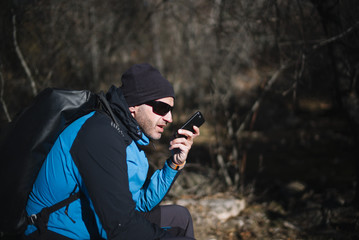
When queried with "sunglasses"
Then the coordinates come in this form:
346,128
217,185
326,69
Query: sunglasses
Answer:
159,108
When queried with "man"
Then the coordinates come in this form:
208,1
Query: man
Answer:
102,160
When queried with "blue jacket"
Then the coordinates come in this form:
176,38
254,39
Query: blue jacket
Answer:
103,161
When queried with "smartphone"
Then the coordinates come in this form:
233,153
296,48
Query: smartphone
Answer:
196,119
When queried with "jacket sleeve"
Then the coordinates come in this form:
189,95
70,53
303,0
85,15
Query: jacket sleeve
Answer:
99,151
155,189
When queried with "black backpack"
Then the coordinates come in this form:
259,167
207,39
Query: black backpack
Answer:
29,139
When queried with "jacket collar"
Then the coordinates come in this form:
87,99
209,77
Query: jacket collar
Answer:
120,109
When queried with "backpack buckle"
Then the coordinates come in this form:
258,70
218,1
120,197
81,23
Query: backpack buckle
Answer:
32,219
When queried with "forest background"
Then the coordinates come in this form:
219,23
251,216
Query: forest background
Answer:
276,80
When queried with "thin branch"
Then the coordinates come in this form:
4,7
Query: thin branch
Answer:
4,106
317,43
337,37
224,170
315,47
258,102
21,57
298,76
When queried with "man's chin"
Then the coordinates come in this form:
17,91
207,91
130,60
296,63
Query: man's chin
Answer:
155,136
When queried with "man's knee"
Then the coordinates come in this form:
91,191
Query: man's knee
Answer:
184,209
180,220
181,212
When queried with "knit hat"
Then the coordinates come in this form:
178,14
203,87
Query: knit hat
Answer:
142,83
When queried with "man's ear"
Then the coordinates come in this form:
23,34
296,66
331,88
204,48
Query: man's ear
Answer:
132,110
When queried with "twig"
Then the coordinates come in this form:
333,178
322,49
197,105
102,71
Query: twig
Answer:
260,99
2,98
335,38
21,57
223,167
315,47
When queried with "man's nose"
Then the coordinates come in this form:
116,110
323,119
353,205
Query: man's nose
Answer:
168,117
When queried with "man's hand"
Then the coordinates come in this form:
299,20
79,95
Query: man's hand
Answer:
181,146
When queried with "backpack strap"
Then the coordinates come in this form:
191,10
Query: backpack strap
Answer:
107,107
41,219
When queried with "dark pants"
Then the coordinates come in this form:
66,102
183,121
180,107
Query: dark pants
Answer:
175,219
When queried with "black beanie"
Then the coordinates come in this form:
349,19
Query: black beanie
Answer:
142,83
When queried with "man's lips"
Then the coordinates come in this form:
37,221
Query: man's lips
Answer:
161,128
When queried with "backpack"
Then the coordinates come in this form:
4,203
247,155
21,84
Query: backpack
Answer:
27,142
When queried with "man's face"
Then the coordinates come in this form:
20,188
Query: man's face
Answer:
152,123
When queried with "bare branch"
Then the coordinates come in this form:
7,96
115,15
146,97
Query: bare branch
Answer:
335,38
224,170
21,57
258,102
4,106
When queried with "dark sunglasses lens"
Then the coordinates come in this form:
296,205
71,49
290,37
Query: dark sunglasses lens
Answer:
161,108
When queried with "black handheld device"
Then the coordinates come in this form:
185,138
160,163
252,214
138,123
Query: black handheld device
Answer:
196,119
